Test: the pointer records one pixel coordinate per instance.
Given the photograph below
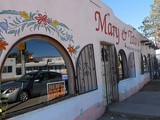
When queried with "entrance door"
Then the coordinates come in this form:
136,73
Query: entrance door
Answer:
109,73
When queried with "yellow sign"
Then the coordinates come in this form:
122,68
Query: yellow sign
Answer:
22,46
55,90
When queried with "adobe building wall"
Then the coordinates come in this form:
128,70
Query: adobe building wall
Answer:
83,22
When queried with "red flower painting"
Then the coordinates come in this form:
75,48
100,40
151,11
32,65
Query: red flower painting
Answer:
3,45
71,49
42,19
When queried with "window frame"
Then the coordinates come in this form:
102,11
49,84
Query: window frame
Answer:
7,69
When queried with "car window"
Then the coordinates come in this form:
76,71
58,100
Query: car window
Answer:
43,76
27,77
54,75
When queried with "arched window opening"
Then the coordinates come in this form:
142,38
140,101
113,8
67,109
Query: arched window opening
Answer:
122,65
36,70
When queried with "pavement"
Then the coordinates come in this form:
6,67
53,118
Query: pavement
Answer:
143,105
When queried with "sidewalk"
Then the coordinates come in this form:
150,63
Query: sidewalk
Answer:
144,105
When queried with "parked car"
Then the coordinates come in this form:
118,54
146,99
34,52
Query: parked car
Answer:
30,84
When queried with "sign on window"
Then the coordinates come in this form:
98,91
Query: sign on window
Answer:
55,90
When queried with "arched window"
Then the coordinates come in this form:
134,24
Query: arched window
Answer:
86,70
39,72
122,65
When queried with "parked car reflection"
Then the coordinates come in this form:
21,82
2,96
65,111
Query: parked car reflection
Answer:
29,85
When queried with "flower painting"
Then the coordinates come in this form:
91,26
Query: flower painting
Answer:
18,21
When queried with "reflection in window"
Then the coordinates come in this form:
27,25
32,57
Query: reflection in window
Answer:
122,65
45,78
7,69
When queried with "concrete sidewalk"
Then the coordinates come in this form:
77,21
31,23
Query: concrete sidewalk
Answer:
144,105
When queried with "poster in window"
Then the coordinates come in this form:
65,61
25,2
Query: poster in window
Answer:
55,90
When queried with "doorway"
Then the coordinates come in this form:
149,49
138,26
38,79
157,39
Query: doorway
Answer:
109,73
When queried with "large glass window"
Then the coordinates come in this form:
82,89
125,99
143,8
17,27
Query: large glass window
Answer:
39,75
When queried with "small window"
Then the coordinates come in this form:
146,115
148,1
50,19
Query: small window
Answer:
4,69
18,71
7,69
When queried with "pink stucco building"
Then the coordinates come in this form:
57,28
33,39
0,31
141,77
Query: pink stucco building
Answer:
106,60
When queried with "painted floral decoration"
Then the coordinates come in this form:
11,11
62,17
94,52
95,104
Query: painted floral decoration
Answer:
3,45
24,15
42,19
72,50
18,21
55,23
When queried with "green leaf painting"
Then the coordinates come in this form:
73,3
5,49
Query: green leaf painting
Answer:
18,21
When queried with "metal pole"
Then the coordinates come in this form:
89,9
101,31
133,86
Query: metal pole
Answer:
23,63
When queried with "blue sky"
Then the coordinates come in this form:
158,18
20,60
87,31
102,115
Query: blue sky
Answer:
39,48
131,12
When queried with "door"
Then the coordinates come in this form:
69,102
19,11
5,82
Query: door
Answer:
109,73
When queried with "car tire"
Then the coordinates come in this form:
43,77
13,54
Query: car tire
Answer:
23,96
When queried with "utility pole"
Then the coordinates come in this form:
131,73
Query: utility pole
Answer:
21,48
23,70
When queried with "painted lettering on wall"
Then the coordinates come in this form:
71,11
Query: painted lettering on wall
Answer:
112,30
108,29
